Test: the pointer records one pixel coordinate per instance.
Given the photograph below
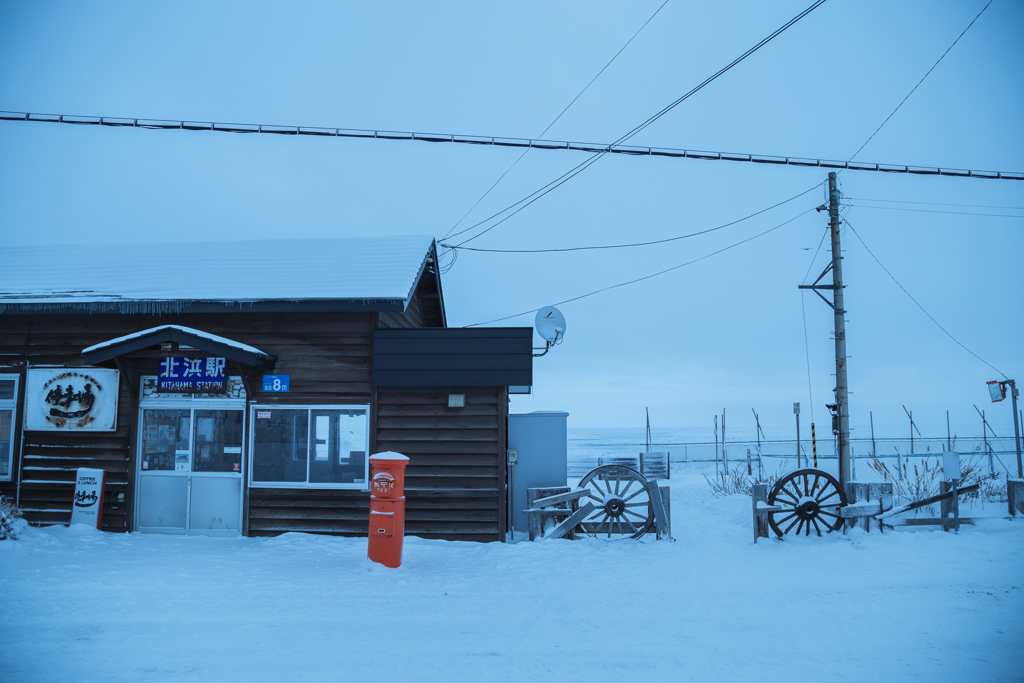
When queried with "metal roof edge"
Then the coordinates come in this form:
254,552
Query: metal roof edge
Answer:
177,306
437,279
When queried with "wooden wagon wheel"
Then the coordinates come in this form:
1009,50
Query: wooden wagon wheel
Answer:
809,497
623,503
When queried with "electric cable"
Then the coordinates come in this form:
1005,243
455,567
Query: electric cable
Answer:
635,244
954,213
946,332
920,81
652,275
907,201
497,141
807,355
578,95
815,257
803,311
537,194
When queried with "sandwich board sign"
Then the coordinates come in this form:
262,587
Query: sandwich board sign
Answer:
88,504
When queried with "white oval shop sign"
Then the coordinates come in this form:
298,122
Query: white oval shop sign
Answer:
71,399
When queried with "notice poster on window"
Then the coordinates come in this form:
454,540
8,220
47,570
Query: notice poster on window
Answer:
88,504
71,399
181,461
152,438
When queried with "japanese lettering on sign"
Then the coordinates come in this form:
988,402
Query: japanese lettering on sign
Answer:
192,376
71,399
88,501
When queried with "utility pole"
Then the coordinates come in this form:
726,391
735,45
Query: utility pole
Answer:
1016,427
842,406
842,386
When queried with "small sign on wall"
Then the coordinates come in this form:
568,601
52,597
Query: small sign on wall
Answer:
71,399
275,383
88,504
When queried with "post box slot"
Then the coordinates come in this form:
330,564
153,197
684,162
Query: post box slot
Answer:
382,523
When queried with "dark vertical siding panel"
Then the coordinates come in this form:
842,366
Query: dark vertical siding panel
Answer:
129,392
484,357
455,458
502,460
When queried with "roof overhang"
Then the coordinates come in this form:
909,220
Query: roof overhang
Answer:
157,307
219,346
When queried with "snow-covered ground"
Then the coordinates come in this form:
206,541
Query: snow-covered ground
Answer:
79,605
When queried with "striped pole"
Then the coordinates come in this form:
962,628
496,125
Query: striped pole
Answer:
814,446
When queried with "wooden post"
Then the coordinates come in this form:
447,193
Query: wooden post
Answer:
539,524
950,506
759,495
661,521
858,493
666,501
1015,496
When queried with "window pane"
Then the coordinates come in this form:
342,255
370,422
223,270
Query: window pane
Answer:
6,437
343,448
6,389
165,440
321,430
218,441
280,438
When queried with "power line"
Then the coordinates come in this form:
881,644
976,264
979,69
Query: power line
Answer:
807,355
861,239
652,275
803,313
578,95
498,141
636,244
921,81
816,252
954,213
906,201
564,178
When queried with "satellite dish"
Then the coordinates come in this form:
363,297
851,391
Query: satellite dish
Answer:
550,324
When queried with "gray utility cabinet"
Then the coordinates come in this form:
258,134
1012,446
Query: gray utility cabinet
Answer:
541,444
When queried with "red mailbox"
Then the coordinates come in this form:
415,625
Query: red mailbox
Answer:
387,508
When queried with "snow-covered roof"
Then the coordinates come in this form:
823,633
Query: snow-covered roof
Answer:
199,333
131,277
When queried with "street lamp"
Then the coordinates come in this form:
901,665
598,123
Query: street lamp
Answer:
997,390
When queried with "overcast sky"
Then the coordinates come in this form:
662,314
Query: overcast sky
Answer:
727,332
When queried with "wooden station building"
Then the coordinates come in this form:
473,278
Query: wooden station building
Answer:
239,388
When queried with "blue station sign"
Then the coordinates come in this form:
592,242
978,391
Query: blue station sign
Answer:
275,383
192,376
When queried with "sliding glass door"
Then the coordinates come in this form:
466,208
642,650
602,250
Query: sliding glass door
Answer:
190,468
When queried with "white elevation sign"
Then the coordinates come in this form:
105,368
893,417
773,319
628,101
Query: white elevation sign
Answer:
88,504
